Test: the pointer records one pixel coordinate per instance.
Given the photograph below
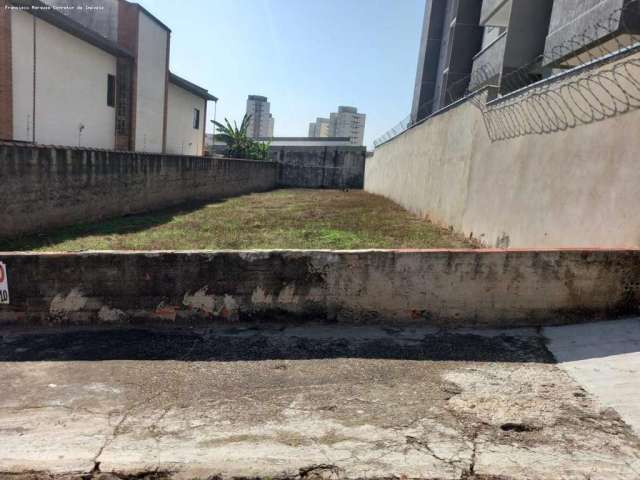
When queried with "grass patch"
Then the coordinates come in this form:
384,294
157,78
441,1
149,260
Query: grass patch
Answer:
291,218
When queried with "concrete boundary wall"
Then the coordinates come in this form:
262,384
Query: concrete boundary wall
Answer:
307,166
575,186
442,288
320,167
48,187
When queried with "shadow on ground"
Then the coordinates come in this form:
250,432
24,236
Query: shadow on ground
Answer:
253,343
122,225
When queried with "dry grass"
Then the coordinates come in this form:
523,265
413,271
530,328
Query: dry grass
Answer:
294,218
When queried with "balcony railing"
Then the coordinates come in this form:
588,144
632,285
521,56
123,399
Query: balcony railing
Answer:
487,64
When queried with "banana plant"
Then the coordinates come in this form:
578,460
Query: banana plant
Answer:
239,144
260,150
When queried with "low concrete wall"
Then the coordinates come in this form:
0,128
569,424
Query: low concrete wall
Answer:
320,167
48,187
573,183
444,288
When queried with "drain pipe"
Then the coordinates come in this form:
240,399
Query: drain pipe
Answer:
33,116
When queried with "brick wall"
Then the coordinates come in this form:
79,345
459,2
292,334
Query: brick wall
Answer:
6,89
48,187
128,38
124,101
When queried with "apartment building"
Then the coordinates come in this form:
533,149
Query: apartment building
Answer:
509,44
451,36
98,80
574,37
347,122
514,38
261,122
319,128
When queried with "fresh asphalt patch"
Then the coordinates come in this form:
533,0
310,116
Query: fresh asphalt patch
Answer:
269,342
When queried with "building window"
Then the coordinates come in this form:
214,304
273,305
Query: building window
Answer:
111,90
196,118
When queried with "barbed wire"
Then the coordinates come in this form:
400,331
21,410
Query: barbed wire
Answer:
600,78
400,127
588,97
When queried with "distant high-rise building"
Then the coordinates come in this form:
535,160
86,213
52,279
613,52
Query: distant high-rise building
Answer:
347,122
271,124
319,128
261,122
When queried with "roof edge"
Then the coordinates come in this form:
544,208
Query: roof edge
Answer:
151,16
307,139
191,87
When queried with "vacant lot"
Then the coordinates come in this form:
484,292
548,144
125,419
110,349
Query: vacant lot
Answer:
279,219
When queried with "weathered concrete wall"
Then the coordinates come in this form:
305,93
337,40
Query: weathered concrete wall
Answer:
47,187
446,288
426,169
576,185
315,166
320,167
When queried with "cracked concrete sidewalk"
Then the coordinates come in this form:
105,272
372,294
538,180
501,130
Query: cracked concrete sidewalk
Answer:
312,401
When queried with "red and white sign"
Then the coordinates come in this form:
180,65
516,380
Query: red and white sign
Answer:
4,284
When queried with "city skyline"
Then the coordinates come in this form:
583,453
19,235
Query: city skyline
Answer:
262,48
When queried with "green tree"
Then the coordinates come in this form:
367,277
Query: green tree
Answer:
260,150
238,143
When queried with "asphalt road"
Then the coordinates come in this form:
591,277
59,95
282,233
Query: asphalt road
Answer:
318,401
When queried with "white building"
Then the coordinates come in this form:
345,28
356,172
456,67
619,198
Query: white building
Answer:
187,116
58,82
307,141
261,122
94,81
319,128
347,122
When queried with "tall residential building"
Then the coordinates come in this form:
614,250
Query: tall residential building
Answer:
347,122
470,44
261,122
451,36
319,128
614,23
514,37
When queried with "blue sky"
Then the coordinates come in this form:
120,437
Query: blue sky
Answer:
307,56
